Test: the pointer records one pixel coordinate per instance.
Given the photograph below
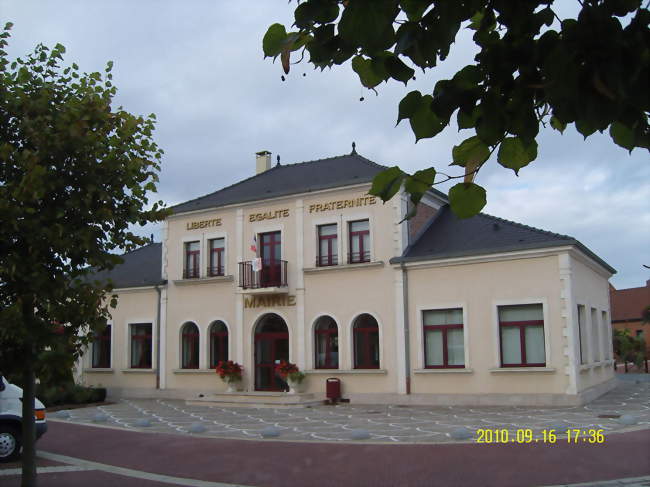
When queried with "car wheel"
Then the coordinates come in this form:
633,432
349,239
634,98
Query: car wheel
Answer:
9,443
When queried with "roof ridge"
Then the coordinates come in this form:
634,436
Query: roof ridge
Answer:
279,167
141,248
528,227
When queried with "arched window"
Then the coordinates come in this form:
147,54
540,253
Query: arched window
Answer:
218,343
366,342
190,346
326,334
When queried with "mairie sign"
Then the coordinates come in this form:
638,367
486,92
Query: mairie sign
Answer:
269,301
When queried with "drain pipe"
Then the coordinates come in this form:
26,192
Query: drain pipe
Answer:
159,291
407,343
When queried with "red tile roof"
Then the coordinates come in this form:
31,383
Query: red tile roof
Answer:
628,304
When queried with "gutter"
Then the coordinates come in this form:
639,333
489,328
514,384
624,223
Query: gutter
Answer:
159,291
407,344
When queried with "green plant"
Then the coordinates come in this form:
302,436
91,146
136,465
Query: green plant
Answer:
628,348
297,377
532,68
229,371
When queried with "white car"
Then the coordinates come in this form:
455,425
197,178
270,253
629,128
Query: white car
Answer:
11,420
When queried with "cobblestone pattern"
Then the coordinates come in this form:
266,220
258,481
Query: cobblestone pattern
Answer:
383,423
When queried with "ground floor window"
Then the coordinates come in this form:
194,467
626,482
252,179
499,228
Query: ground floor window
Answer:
582,334
218,343
101,355
443,338
326,334
190,346
366,342
521,331
141,346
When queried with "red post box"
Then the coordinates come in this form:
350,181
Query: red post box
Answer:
333,389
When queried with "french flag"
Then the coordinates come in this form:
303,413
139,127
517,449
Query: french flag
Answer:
254,245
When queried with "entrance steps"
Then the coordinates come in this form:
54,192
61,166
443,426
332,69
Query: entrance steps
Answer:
256,399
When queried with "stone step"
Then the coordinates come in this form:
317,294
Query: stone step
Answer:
256,398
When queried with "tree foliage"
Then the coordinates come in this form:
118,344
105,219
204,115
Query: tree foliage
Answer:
628,348
532,68
75,173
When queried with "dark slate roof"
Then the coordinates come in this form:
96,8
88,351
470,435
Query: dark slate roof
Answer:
141,267
447,236
283,180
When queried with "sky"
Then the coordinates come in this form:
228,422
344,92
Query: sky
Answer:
199,67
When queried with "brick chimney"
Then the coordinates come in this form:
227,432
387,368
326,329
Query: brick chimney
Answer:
262,161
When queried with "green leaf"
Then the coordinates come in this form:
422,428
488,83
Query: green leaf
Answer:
466,121
408,105
387,183
424,123
471,152
414,8
418,184
467,199
398,70
622,135
366,71
273,41
557,124
514,153
368,24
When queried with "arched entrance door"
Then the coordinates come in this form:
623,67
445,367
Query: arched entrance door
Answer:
271,346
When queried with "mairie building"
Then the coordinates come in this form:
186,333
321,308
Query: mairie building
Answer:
300,263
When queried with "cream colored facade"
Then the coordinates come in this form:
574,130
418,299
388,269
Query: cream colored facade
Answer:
396,295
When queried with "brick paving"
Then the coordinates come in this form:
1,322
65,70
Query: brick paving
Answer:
628,403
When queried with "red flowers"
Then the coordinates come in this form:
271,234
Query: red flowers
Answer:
229,371
285,368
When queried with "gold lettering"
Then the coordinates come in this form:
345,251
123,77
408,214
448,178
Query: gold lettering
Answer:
248,302
311,208
285,213
291,300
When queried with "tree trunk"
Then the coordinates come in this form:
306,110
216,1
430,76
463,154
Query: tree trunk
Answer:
29,386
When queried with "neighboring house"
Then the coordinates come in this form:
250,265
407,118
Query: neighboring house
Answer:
627,310
299,263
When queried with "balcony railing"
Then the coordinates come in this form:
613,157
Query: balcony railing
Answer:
191,273
215,271
327,260
359,257
271,275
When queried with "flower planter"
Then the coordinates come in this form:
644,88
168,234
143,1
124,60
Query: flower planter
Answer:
296,387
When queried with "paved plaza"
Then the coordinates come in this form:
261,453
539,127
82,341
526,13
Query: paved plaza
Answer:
625,408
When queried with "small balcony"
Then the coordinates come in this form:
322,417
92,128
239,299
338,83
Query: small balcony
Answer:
327,260
191,273
216,271
359,257
270,278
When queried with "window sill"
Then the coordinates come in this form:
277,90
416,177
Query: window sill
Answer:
341,267
345,371
518,370
193,371
443,371
594,365
139,371
203,280
98,371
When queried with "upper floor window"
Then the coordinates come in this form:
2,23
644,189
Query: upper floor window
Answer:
366,342
218,343
595,336
192,260
326,334
190,346
521,329
359,232
443,338
141,350
101,354
217,257
327,245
